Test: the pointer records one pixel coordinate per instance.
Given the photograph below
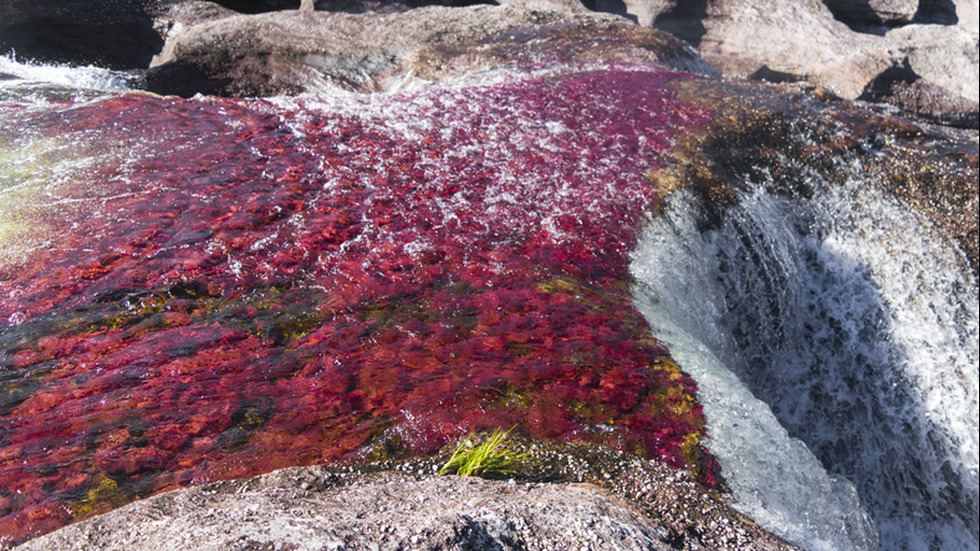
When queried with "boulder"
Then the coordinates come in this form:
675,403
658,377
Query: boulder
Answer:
213,51
937,78
943,56
306,509
596,499
966,14
117,34
811,41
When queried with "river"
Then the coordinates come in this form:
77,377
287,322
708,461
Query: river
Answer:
834,337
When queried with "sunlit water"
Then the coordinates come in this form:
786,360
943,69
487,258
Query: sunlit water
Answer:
211,288
30,82
823,341
847,315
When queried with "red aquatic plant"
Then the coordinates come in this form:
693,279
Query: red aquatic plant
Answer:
232,286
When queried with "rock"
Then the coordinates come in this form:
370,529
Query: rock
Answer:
962,13
797,38
810,41
117,34
902,87
640,506
937,80
281,49
943,56
307,509
213,49
292,52
966,14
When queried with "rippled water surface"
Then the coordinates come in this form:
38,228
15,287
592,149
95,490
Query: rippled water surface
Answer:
209,288
200,289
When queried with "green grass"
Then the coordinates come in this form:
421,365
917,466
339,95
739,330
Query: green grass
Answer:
491,458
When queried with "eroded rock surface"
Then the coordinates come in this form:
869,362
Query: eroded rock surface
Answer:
307,509
598,500
291,52
843,47
270,47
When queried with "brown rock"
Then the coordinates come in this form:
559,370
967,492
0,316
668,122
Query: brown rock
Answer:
807,41
295,51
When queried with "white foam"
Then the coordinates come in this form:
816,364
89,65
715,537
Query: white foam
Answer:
774,478
79,77
849,315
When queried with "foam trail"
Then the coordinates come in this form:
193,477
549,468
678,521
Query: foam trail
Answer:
860,334
35,83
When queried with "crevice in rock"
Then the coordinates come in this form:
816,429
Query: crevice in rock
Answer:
902,87
617,7
885,84
878,16
685,21
766,74
858,15
941,12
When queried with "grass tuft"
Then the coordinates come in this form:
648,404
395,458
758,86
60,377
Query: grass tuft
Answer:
491,458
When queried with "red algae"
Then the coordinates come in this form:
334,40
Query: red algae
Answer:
249,285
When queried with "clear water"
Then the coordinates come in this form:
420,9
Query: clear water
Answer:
836,355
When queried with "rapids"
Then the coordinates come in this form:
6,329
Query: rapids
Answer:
861,336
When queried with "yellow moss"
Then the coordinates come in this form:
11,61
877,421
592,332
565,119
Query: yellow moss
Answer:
374,313
512,399
691,446
679,401
667,365
103,490
558,284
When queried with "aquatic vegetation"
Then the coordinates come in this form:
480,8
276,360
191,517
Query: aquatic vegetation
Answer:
230,287
490,458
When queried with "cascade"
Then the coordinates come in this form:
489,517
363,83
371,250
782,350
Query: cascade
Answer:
860,336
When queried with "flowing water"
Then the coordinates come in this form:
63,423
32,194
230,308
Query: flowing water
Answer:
211,288
836,356
860,335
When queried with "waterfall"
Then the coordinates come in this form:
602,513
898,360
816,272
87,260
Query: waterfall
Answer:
847,315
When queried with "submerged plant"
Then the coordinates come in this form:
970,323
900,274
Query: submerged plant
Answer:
489,458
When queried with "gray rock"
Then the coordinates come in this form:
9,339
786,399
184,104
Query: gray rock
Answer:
302,509
937,79
311,508
798,38
566,495
944,56
966,15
